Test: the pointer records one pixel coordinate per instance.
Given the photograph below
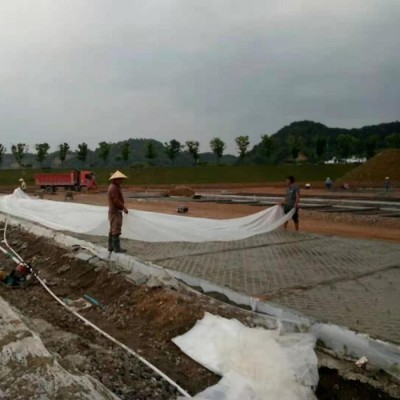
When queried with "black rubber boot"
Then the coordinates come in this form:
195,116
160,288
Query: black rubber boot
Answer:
110,243
117,245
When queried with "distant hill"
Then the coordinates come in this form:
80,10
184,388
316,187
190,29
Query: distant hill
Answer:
317,142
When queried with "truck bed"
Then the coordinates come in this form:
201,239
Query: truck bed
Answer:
56,179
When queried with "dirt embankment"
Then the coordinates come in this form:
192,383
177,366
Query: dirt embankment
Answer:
145,319
374,171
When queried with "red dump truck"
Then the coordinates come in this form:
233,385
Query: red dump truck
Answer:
73,180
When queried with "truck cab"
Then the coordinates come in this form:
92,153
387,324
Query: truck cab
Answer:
86,180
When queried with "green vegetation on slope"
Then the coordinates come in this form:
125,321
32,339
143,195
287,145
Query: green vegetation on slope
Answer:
316,142
202,175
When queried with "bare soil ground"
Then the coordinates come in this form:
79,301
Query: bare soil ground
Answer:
142,318
385,163
147,319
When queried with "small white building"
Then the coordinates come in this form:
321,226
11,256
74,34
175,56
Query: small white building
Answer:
351,160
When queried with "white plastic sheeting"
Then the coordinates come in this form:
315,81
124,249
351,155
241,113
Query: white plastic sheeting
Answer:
140,225
28,370
256,364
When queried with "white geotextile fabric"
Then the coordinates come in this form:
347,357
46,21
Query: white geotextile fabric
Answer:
256,364
140,225
29,370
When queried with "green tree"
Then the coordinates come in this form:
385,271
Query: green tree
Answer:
268,145
393,140
217,147
320,146
294,143
242,142
125,151
345,145
42,150
82,152
172,149
62,152
370,145
19,150
2,152
150,153
104,151
193,149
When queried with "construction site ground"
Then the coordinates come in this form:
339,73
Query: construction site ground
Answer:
339,268
145,319
346,225
326,271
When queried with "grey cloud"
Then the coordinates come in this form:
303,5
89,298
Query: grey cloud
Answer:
101,70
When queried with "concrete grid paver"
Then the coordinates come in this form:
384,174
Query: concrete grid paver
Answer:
349,282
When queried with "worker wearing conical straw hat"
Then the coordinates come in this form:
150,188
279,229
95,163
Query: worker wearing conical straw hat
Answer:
22,184
116,206
387,185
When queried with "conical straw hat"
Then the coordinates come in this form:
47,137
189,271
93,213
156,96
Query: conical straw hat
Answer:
117,175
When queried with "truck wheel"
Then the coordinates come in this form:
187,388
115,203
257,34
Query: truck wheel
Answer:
83,188
49,189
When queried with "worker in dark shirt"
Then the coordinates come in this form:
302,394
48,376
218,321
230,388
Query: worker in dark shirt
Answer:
387,185
116,206
292,200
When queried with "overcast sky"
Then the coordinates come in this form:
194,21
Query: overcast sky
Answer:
94,70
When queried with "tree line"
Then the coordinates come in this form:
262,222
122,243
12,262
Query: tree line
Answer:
171,149
314,141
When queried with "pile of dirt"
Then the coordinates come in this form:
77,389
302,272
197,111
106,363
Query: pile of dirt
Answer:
374,171
183,191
